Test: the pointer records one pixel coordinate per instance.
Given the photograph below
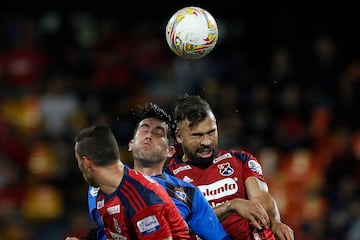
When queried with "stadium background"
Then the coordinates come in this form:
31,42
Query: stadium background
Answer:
283,80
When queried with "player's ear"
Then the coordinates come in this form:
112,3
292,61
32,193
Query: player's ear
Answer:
178,139
130,145
170,152
86,161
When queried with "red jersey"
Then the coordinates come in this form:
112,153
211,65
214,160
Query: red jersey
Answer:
224,180
140,209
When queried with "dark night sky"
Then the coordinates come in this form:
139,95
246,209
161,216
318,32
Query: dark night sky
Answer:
288,23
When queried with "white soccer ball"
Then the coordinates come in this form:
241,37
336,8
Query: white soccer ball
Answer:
192,32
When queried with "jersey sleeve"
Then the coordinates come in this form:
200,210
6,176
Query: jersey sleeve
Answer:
93,212
92,193
251,165
203,221
151,223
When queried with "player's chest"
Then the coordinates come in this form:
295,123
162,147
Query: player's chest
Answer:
217,172
217,182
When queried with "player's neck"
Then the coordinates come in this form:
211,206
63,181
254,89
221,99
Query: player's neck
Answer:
152,170
198,164
111,177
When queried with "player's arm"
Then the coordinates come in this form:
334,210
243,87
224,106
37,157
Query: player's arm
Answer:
159,221
204,218
257,191
250,210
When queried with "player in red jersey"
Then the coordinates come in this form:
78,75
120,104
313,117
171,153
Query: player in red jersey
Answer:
224,176
131,205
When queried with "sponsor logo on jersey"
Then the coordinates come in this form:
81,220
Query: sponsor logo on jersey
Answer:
222,188
255,166
225,169
180,194
182,168
113,209
188,179
100,204
116,225
148,225
222,157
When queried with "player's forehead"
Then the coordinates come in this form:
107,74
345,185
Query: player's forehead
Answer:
207,124
152,123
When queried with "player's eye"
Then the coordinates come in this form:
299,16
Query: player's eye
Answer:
159,132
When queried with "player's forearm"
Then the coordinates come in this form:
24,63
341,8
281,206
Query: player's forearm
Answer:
270,205
223,211
273,211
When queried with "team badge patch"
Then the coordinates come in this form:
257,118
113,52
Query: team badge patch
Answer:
180,194
255,167
225,169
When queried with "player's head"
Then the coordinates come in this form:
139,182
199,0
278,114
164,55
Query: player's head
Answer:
153,140
95,145
196,129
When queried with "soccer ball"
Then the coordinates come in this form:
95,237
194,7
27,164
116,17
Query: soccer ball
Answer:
192,32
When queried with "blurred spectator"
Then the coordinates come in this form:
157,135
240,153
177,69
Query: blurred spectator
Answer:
24,62
58,106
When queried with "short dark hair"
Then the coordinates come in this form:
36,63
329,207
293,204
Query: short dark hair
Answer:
99,144
151,110
191,107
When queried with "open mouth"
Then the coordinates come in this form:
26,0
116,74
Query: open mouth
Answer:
205,153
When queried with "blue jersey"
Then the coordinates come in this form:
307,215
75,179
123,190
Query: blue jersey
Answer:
190,202
94,214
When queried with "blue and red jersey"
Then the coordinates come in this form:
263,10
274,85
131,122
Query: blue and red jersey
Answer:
139,209
189,201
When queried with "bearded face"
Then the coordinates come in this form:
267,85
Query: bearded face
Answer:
199,141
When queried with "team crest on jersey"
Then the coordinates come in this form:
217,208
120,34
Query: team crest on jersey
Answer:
180,194
225,169
100,204
255,166
148,225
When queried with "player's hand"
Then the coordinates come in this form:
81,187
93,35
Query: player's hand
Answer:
282,231
252,211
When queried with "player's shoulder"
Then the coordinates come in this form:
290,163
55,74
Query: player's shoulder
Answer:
138,178
177,181
240,154
174,163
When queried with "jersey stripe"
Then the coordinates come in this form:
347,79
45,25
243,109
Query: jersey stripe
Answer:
133,196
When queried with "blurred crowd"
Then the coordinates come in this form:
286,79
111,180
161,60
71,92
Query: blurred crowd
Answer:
292,103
